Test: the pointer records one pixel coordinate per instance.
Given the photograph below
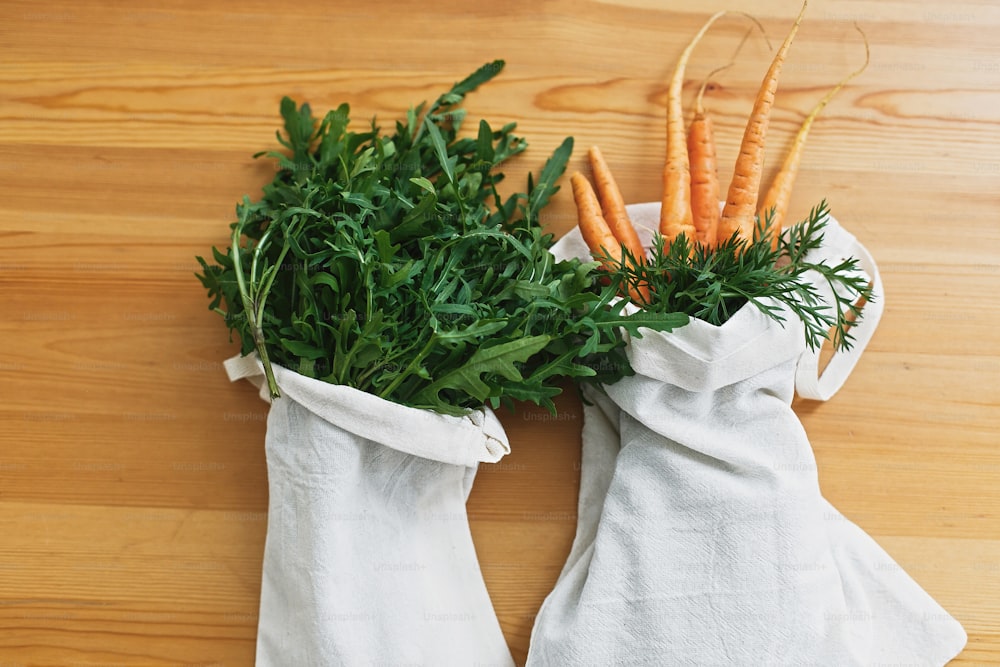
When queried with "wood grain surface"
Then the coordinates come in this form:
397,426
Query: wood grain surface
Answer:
132,480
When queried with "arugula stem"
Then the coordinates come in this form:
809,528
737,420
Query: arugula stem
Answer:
362,380
412,367
261,242
250,311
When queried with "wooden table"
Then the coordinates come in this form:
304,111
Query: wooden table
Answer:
132,478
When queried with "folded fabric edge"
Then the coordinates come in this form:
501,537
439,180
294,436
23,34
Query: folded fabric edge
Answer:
810,383
477,437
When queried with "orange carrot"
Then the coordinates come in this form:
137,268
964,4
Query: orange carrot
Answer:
613,208
594,229
675,209
779,195
613,205
705,190
598,235
739,212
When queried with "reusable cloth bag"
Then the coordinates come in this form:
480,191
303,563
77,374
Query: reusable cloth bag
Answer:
703,537
368,558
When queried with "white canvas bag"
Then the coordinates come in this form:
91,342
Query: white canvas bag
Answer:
703,536
368,558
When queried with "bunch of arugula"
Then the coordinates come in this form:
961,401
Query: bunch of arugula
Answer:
712,283
392,264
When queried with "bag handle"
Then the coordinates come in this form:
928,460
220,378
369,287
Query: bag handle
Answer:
809,383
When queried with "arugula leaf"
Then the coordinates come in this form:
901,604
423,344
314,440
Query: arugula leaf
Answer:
655,321
498,360
437,141
474,80
540,193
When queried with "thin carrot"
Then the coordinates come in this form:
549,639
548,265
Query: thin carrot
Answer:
739,212
613,205
613,208
593,227
603,244
705,191
675,208
779,195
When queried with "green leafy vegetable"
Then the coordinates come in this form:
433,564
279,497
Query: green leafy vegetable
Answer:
711,284
391,263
